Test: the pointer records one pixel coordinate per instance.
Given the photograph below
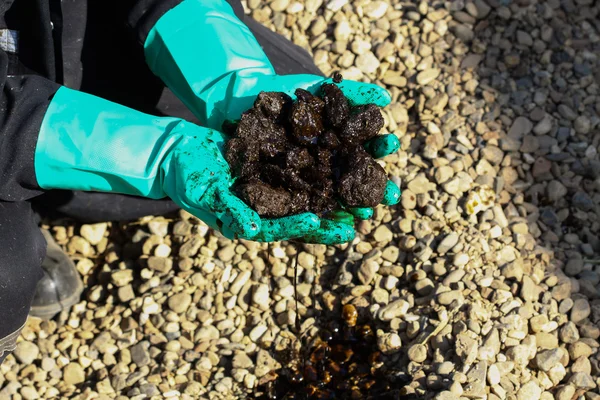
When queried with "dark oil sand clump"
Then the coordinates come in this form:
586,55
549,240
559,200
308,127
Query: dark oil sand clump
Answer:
306,155
343,363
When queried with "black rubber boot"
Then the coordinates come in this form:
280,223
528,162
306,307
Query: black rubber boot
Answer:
61,286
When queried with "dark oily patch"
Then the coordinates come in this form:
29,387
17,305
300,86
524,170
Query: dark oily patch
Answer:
343,362
257,128
273,104
266,200
305,156
364,123
363,183
306,118
337,108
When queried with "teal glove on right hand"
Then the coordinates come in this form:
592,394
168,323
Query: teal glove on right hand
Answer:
213,63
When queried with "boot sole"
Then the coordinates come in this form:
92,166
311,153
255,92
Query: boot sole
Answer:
49,311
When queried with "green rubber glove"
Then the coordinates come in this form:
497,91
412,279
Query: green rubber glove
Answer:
213,63
91,144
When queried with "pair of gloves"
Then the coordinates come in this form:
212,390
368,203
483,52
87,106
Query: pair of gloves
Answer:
213,63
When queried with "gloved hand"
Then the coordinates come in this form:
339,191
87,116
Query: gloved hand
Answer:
213,63
91,144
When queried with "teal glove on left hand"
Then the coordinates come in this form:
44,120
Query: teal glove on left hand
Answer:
91,144
213,63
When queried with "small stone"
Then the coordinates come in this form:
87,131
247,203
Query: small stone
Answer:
241,360
519,354
122,277
279,5
529,290
367,62
493,375
207,333
569,333
476,378
530,144
257,332
48,364
307,260
582,125
73,374
126,293
574,266
582,201
160,264
417,353
335,5
580,349
241,280
529,391
342,31
520,127
260,296
393,310
567,392
580,311
140,355
465,347
447,298
461,259
582,380
26,352
427,76
446,395
367,271
493,154
546,340
420,184
388,343
29,393
93,233
543,127
582,364
443,174
180,302
408,200
447,243
383,234
555,191
547,359
376,9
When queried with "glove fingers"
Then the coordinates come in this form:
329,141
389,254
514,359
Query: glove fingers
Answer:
360,93
391,195
294,226
383,145
361,212
233,215
330,233
289,83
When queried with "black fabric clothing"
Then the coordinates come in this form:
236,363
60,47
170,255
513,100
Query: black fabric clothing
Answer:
101,55
22,249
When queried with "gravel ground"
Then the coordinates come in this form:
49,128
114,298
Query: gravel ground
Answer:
484,283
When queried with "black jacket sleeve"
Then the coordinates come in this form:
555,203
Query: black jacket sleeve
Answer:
145,13
24,100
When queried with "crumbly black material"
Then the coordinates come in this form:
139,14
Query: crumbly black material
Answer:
306,155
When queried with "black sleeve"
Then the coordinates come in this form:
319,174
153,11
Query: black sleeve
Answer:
145,13
24,100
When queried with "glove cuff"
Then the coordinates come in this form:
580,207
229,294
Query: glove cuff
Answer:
91,144
200,49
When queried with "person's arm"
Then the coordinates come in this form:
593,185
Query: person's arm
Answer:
24,100
144,14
